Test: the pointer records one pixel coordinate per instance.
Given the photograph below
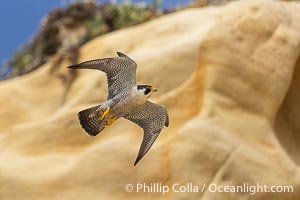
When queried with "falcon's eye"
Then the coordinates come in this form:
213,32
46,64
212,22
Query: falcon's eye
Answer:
147,91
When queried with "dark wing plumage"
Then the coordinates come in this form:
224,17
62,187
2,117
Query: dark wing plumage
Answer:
120,72
152,118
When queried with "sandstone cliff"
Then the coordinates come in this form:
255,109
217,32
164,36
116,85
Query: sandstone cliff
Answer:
229,77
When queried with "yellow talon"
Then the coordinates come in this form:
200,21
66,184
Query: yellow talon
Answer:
109,122
105,113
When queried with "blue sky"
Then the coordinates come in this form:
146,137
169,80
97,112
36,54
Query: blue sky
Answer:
20,20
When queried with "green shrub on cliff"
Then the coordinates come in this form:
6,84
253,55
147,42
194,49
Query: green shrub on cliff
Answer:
64,30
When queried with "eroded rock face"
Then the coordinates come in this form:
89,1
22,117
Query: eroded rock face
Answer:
247,117
229,77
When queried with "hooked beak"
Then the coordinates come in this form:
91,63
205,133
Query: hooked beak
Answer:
153,89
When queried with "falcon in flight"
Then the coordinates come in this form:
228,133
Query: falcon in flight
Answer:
125,99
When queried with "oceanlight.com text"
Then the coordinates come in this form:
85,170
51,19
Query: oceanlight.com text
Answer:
211,187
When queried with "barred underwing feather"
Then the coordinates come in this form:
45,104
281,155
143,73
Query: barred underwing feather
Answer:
120,72
152,118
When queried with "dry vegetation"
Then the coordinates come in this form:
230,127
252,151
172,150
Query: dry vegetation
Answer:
64,30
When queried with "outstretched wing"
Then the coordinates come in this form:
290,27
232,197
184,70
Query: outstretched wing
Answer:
120,72
152,118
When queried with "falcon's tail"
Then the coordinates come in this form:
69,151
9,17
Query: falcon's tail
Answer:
91,125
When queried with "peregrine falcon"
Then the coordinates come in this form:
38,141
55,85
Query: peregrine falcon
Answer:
125,99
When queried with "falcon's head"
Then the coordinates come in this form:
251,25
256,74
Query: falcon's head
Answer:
146,90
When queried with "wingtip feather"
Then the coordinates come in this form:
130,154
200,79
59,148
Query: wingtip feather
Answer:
73,67
167,121
136,161
120,54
